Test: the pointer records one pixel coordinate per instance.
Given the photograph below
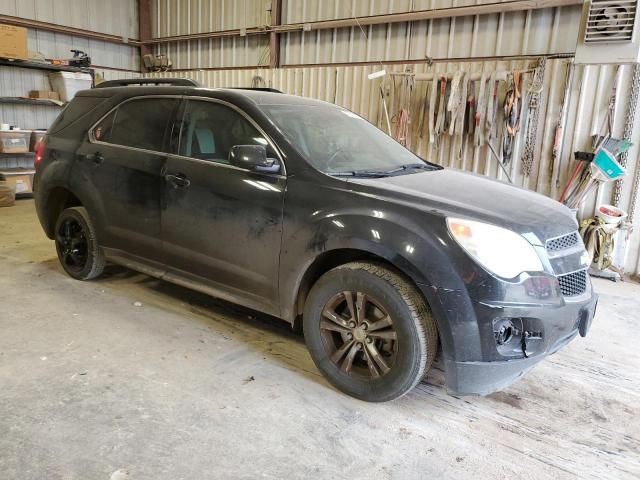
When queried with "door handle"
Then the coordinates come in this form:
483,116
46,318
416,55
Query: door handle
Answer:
96,158
178,180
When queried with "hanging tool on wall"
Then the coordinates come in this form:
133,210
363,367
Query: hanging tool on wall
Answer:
442,94
470,114
403,115
460,120
635,191
534,100
556,155
433,109
492,108
455,101
512,109
628,128
481,109
447,114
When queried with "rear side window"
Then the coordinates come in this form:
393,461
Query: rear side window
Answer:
76,109
138,123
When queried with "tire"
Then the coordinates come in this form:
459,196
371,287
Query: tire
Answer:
77,246
393,324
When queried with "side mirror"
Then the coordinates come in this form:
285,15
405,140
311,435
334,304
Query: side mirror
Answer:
252,157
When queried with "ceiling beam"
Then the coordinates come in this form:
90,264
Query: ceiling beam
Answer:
63,29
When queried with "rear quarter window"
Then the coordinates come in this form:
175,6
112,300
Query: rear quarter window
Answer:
75,110
139,123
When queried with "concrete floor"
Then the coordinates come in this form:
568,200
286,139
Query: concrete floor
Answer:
94,385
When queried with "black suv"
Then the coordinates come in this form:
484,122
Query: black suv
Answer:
303,210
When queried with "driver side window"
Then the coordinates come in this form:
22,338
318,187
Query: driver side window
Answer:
210,129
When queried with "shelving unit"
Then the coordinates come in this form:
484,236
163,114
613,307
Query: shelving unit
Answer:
23,154
44,66
30,101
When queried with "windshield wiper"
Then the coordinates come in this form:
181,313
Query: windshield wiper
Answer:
361,173
411,166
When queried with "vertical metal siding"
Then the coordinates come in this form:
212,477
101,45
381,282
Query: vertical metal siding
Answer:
182,17
509,34
117,17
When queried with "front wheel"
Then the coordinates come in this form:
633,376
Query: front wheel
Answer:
77,245
369,331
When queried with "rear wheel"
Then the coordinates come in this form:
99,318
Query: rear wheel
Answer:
369,331
77,245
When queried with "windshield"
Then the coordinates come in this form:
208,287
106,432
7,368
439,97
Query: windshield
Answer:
339,142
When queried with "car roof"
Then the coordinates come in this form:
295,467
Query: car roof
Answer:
256,96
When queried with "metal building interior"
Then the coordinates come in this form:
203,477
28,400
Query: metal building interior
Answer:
130,376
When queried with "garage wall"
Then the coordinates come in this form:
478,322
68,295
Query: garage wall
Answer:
116,17
503,34
112,61
333,64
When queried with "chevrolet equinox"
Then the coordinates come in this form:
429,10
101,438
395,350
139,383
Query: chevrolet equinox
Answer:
303,210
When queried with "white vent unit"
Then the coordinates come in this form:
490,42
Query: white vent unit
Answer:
609,32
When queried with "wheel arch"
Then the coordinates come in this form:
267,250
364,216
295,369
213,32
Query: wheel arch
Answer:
57,199
330,259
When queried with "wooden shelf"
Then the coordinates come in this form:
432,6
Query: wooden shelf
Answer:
23,154
43,66
29,101
17,171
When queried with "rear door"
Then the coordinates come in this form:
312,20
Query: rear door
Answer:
122,159
222,225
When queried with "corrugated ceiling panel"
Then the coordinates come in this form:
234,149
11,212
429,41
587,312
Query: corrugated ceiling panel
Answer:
348,86
117,17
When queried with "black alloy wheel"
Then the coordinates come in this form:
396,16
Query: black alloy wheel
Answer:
358,335
77,246
71,242
369,331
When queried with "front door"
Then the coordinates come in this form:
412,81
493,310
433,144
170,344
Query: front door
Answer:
222,225
122,160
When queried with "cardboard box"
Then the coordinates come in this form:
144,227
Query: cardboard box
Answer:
44,94
21,184
7,194
15,141
13,42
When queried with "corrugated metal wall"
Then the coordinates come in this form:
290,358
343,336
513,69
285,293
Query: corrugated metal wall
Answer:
504,34
118,17
533,32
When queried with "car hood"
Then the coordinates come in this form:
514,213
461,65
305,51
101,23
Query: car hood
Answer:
450,192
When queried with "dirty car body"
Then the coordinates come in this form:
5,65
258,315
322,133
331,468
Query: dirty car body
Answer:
260,238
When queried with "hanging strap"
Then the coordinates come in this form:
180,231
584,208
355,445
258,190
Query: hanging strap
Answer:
480,111
492,107
442,92
432,109
511,115
455,100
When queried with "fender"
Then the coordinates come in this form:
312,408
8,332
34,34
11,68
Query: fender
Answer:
399,241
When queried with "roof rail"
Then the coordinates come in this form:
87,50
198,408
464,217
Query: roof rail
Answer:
260,89
173,82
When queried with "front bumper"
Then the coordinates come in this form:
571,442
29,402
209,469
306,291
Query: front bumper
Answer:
474,363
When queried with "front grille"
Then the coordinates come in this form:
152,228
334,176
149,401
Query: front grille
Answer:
562,243
573,284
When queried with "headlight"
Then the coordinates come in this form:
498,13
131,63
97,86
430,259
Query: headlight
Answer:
501,251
